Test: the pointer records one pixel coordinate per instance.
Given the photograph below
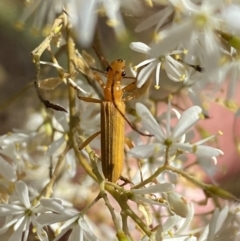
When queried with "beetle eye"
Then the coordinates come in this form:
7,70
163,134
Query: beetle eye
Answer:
108,68
123,74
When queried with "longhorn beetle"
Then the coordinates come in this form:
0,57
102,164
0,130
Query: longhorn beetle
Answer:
112,119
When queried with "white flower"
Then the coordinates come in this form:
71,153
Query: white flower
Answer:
159,18
20,214
229,15
230,70
174,228
7,170
178,204
42,11
14,150
172,140
72,219
195,32
83,15
158,188
211,232
174,69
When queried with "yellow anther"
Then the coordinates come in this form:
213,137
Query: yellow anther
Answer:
57,29
135,68
194,148
112,22
182,78
156,37
19,25
156,149
201,116
170,233
220,133
237,210
149,3
170,97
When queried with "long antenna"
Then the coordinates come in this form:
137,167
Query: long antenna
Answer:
47,103
129,123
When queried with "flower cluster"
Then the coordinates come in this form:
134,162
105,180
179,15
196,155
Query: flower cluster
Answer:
53,186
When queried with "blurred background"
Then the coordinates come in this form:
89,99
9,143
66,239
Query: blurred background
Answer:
16,68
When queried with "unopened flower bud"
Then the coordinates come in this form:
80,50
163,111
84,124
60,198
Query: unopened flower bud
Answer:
178,204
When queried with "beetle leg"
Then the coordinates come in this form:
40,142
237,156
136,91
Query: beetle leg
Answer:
89,99
88,140
130,87
136,92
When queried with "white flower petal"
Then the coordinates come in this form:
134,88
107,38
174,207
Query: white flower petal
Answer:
50,218
56,147
17,233
10,209
86,21
178,204
88,234
179,31
150,21
54,205
203,236
7,170
26,232
212,224
174,70
71,163
229,16
65,227
144,73
221,218
13,138
200,150
6,226
171,222
149,122
76,234
144,151
186,221
42,234
22,191
145,62
139,47
188,118
61,118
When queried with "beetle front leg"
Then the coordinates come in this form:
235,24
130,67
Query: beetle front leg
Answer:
135,91
89,99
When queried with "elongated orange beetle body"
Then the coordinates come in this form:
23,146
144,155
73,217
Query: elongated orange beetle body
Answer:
113,123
